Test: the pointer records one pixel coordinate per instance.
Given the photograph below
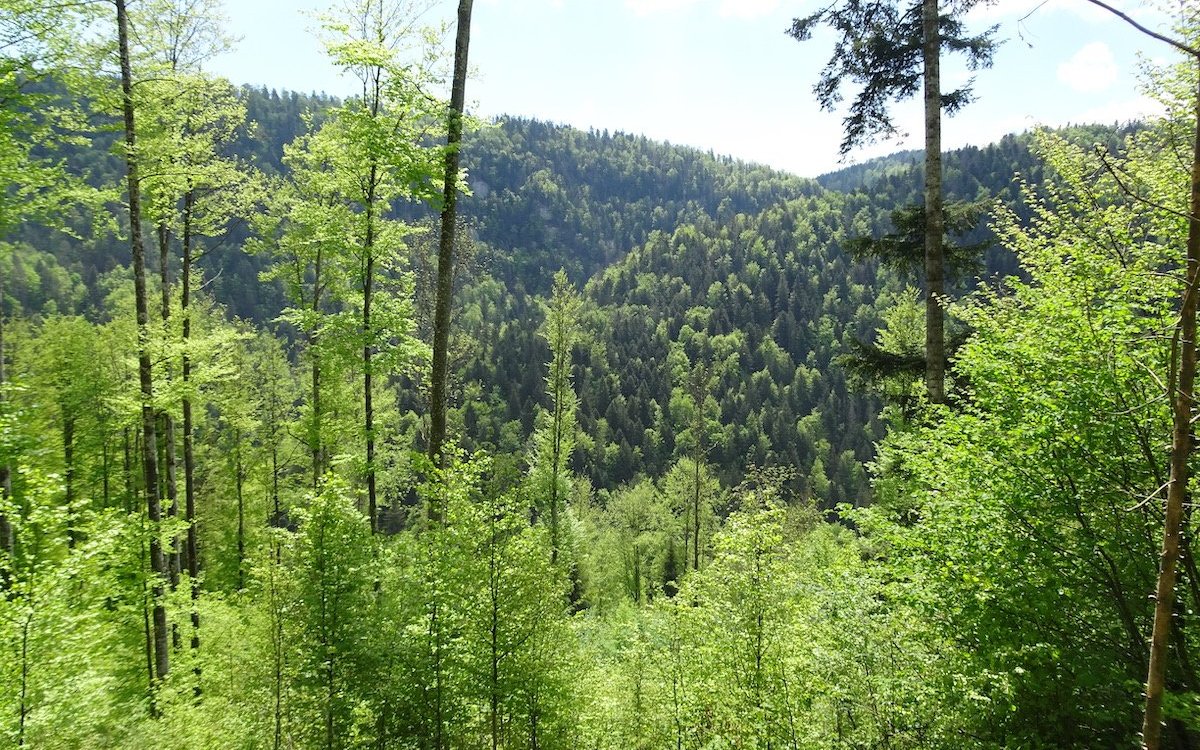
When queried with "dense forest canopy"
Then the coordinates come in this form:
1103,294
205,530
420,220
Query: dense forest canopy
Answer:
695,492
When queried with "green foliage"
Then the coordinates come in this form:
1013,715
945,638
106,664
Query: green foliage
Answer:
649,559
1058,504
879,51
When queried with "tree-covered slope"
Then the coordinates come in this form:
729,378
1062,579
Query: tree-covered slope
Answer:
765,302
547,196
689,259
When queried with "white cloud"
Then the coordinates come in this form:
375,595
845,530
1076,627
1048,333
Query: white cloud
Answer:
747,9
1091,69
1136,108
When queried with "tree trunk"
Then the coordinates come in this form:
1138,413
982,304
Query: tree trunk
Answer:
26,624
158,567
696,508
445,272
935,342
1182,396
174,561
368,406
1182,404
239,480
189,455
68,437
700,385
7,540
556,452
494,591
105,467
127,472
314,430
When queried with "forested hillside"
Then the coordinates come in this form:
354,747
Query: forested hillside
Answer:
698,487
748,258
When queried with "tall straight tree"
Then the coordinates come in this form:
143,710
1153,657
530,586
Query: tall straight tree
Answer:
555,438
184,118
191,191
445,272
890,50
301,230
158,564
380,160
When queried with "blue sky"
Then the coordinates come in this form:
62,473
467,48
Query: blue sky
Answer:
721,74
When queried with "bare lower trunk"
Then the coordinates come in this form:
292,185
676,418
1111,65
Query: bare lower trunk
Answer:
445,273
696,508
68,436
6,528
368,405
158,567
26,624
315,426
189,455
935,347
239,481
174,559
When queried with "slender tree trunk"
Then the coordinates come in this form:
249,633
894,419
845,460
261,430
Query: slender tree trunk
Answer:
277,646
435,642
315,427
189,454
445,273
174,561
149,638
158,567
277,643
6,529
68,437
1182,405
935,341
314,430
1182,395
368,406
26,624
330,697
239,482
556,451
701,382
494,590
696,507
105,467
127,466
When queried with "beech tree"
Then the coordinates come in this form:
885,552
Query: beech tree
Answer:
193,191
379,157
301,231
158,563
1180,392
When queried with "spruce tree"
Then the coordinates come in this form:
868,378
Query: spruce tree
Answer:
892,51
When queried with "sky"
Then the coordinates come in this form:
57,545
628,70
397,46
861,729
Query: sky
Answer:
722,75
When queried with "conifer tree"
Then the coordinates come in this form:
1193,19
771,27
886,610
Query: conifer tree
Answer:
555,437
891,50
